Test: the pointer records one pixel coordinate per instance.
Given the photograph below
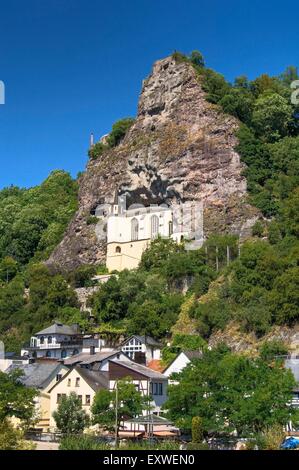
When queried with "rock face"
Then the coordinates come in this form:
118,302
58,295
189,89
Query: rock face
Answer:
180,148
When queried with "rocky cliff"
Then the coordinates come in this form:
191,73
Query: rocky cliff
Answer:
180,148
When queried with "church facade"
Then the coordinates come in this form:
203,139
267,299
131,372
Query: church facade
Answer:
129,231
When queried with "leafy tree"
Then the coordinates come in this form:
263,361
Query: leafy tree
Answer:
158,253
231,392
271,116
270,349
16,400
8,269
70,418
12,438
128,401
81,276
197,59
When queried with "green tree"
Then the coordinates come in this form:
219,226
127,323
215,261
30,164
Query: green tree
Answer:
270,349
126,402
8,269
271,116
12,438
16,400
69,417
231,392
197,59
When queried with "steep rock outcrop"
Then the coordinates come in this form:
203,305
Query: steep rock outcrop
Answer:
180,148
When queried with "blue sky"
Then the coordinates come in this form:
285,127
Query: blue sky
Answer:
75,66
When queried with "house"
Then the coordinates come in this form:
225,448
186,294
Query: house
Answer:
10,358
292,363
84,382
147,381
60,341
97,361
56,342
142,349
180,362
42,376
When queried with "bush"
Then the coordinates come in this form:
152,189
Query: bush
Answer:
198,446
270,349
82,442
197,430
119,130
92,220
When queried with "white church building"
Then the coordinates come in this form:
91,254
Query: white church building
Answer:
129,231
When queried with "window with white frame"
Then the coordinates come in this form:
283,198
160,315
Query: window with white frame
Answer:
131,347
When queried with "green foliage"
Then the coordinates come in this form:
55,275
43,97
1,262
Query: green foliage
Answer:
118,132
92,220
270,349
270,438
258,229
158,253
8,269
69,417
197,59
32,221
272,115
141,299
231,392
181,342
16,400
82,442
97,150
82,276
211,316
12,438
197,430
129,401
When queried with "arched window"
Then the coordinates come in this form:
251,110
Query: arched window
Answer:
134,229
118,249
154,226
50,339
42,340
63,353
48,354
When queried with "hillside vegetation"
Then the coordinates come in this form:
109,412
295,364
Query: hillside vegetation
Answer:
174,293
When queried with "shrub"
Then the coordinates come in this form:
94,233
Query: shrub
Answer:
270,349
197,430
119,130
82,442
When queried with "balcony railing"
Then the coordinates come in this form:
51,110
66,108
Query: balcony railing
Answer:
62,345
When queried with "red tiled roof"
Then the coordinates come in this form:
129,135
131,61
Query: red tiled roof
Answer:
155,364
